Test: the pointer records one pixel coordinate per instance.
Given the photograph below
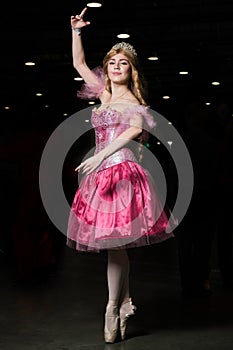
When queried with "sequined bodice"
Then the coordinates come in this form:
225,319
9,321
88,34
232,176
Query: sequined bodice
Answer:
109,124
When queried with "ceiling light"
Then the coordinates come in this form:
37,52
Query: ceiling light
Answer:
208,103
91,102
153,58
183,72
123,36
39,94
6,107
78,78
29,63
215,83
166,97
94,4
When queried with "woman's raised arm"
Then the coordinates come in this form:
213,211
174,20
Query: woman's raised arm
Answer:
79,62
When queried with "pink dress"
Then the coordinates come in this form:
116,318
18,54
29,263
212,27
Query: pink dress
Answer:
117,205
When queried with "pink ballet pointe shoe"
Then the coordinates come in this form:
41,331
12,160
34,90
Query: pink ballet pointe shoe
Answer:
111,324
127,309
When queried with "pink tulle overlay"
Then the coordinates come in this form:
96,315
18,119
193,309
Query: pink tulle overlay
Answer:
117,208
148,119
88,91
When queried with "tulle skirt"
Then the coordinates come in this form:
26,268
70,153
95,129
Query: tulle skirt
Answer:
117,208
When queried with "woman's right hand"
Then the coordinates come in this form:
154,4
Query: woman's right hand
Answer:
77,21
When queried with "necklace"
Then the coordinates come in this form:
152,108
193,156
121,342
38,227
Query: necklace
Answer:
118,97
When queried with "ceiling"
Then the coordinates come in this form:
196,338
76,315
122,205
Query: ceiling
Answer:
196,36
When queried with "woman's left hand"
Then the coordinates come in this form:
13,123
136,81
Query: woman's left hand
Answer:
90,164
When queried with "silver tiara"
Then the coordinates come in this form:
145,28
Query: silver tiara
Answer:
125,46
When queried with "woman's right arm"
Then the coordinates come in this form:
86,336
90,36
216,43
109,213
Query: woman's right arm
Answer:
79,61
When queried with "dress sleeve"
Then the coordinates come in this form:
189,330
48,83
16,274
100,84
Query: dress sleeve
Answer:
148,119
87,91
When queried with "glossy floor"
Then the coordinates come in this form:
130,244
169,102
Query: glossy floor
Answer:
65,310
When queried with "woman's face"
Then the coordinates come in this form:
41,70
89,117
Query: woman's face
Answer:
118,69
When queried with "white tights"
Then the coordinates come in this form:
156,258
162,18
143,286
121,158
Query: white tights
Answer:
118,276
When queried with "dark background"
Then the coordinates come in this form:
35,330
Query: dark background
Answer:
189,35
186,35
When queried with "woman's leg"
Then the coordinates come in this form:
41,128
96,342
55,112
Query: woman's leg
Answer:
118,276
118,288
119,304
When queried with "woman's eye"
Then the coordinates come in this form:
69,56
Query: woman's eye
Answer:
123,63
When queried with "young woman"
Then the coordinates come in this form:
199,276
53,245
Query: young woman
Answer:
116,206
